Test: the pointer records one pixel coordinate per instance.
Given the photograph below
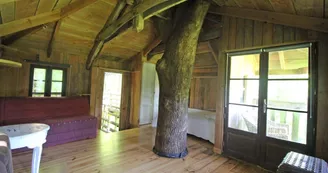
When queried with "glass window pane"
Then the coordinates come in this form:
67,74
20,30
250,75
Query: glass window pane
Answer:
37,95
244,92
288,94
245,66
38,86
56,86
289,64
56,95
39,74
285,125
57,75
243,118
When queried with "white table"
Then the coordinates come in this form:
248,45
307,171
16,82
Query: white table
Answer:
28,135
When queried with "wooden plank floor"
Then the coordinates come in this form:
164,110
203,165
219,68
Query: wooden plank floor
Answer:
129,151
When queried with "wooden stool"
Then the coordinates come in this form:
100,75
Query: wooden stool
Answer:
300,163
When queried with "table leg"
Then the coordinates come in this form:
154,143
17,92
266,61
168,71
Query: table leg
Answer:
37,151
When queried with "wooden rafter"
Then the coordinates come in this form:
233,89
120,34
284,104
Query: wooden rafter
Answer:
312,23
214,49
7,1
99,43
13,38
150,47
29,22
146,8
52,38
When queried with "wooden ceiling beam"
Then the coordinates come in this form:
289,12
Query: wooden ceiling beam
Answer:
13,38
146,8
312,23
29,22
150,47
99,43
7,1
52,38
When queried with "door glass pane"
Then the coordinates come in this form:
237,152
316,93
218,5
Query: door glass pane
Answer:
288,94
289,64
287,125
56,86
244,92
243,118
245,66
57,75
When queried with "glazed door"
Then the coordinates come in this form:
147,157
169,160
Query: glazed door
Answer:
288,103
269,104
242,106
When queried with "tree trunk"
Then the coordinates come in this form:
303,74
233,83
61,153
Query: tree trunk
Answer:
175,73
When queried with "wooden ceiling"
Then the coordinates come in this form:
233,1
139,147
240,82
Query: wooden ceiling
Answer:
313,8
77,32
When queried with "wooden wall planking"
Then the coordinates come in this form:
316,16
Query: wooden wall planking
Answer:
202,93
14,82
266,34
203,85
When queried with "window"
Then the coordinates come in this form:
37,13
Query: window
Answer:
47,81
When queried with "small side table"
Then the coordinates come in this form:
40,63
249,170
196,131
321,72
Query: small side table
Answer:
28,135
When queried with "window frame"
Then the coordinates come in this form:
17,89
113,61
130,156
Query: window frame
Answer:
48,80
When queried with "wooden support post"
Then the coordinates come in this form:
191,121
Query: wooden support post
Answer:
1,50
175,73
52,38
136,79
219,125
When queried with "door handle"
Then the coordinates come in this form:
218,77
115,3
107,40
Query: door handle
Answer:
264,105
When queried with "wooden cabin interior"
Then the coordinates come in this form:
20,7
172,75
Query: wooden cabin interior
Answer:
228,86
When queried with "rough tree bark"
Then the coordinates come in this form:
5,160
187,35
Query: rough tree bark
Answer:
175,73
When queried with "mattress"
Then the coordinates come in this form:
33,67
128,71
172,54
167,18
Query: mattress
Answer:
201,123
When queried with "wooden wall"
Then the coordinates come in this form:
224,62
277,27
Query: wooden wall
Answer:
15,81
202,93
203,85
242,34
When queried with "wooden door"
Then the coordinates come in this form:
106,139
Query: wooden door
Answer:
147,93
270,104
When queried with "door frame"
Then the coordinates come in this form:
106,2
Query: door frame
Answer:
260,137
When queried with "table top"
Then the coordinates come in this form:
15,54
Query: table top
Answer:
23,129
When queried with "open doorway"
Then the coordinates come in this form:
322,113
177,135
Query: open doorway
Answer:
111,102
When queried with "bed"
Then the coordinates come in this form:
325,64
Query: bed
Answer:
201,123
